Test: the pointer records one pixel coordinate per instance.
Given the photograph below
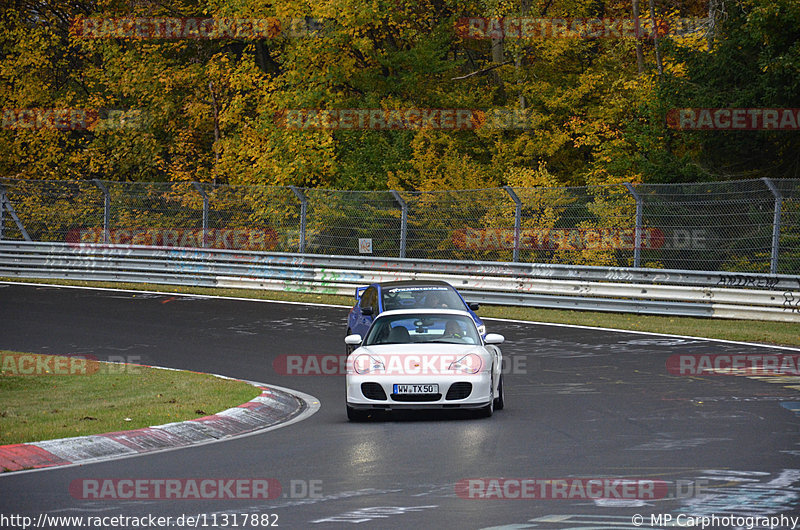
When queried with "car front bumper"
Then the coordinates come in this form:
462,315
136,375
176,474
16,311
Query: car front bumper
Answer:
364,391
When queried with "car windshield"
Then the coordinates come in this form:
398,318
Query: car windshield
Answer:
425,328
421,297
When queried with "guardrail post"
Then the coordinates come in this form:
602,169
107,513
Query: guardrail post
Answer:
517,219
203,194
776,224
106,210
303,210
637,240
403,222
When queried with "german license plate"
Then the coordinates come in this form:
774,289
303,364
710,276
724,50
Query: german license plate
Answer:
416,389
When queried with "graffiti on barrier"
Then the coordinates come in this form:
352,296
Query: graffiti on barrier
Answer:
739,280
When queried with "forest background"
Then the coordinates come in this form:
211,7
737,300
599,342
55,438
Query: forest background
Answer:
205,108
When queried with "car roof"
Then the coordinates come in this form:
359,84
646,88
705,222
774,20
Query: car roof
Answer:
395,312
413,283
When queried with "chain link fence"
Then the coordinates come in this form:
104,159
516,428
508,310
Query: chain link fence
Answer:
737,226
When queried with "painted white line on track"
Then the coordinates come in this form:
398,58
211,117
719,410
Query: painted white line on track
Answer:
208,296
594,328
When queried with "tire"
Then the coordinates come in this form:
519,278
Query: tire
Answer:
356,414
500,400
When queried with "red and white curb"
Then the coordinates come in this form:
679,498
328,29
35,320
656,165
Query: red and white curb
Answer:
275,407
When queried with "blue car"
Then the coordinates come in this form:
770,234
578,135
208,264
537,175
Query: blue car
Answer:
374,299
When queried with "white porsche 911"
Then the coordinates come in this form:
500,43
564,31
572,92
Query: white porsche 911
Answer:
424,359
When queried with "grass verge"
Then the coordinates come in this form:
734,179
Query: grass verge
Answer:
778,333
51,403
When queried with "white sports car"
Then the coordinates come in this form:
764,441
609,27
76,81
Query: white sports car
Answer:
424,358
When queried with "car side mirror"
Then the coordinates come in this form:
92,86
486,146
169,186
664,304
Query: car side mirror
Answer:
367,311
494,338
473,305
353,340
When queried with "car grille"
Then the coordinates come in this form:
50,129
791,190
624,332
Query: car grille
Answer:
373,391
459,391
416,397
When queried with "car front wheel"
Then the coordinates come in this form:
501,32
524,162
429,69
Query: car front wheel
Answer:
500,400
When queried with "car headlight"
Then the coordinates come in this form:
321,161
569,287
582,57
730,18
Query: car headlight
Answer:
469,364
365,364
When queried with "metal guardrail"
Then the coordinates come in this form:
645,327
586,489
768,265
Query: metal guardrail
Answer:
642,291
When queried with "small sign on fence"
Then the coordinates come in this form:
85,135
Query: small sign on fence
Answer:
365,245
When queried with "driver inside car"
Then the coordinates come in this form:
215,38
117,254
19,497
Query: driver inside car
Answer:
452,329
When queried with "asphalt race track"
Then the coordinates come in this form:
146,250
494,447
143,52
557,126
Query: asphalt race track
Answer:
580,403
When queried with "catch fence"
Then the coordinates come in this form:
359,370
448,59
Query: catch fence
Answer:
735,226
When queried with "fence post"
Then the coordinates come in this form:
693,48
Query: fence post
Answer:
203,194
6,204
637,239
106,210
303,210
776,224
517,219
403,222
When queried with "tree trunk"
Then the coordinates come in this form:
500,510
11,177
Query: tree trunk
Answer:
659,64
215,108
639,52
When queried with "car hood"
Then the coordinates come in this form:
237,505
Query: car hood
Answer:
421,349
